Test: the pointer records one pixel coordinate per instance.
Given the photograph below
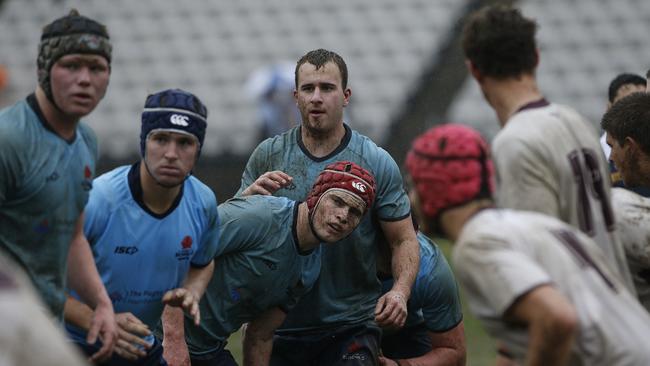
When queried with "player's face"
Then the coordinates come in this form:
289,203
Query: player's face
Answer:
337,215
170,156
626,164
79,82
321,98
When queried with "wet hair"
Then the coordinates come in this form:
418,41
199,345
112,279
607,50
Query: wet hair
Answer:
319,58
500,42
621,80
630,117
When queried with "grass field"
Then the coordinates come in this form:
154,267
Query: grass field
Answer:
480,348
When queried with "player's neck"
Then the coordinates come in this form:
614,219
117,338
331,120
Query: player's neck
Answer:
157,198
61,123
322,144
507,96
453,220
306,238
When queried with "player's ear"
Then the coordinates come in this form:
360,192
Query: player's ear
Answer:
476,74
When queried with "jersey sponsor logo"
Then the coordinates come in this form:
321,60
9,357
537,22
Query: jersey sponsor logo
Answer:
126,250
234,295
359,186
186,251
179,120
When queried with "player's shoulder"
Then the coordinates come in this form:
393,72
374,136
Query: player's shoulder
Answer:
254,206
87,134
112,186
279,143
200,191
15,122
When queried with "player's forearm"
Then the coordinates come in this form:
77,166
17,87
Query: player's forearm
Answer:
437,357
82,273
257,349
550,343
175,347
198,278
77,313
405,265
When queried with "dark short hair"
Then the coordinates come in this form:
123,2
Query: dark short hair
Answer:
500,42
630,117
319,58
647,74
621,80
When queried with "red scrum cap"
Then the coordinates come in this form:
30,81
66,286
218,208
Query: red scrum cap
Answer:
346,176
449,166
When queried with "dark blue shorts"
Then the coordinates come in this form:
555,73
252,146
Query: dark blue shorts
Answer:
407,343
220,357
353,345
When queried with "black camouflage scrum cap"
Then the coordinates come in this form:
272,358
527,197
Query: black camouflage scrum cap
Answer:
70,34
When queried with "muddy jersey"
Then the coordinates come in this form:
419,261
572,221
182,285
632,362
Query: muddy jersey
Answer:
347,290
259,266
548,159
44,186
502,254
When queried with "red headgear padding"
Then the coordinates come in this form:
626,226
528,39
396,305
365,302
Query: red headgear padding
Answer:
449,166
343,175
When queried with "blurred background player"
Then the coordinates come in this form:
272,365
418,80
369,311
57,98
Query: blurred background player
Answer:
269,256
155,218
547,156
540,286
47,162
621,86
433,333
271,87
627,125
336,319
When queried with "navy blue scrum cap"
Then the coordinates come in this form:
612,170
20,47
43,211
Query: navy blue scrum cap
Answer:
173,110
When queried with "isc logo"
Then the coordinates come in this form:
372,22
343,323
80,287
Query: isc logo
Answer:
126,250
179,120
359,186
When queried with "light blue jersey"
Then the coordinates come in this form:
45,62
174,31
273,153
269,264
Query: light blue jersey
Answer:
141,255
258,267
44,185
347,289
434,297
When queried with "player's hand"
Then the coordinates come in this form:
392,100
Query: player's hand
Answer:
104,327
391,310
130,344
268,183
186,299
383,361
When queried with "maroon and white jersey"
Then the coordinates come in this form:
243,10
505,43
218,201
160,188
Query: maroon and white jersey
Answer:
503,254
633,227
28,335
548,159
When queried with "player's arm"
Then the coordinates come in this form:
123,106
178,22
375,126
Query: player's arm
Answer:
174,347
188,296
84,279
552,325
405,253
258,342
268,183
447,349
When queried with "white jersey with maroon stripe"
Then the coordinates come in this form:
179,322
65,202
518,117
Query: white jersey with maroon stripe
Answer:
503,254
548,159
633,225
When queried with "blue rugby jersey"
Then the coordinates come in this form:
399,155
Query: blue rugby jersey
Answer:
434,297
44,186
258,267
141,255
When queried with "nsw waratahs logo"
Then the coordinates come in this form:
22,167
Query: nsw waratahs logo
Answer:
186,249
359,186
87,183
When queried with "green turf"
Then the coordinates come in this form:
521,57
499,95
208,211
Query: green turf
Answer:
480,347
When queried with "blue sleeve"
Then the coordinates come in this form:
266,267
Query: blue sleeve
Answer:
256,165
242,226
441,304
391,203
210,238
97,211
